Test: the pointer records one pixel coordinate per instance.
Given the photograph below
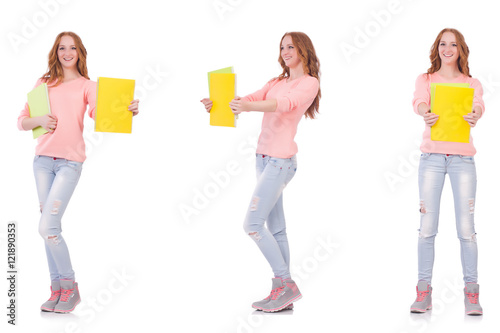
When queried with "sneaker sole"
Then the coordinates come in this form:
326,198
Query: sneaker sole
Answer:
67,311
415,310
284,305
288,307
46,309
475,313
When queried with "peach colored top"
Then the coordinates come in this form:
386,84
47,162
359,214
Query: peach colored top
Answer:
279,127
68,103
423,95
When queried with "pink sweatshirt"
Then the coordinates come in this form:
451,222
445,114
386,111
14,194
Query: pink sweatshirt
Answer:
279,127
68,103
423,95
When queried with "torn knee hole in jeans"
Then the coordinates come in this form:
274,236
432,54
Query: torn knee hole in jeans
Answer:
55,207
54,240
255,235
422,207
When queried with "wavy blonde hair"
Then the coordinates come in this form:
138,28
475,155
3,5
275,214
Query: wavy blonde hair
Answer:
54,71
310,65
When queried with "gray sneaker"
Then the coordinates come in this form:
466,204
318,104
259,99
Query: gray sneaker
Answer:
424,298
70,297
282,297
472,306
276,283
55,293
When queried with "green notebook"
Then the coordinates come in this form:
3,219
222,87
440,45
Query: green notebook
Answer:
39,105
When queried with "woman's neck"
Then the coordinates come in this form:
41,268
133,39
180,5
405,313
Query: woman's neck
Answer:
70,74
449,71
296,72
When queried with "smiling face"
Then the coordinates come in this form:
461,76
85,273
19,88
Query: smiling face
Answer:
67,52
448,48
289,52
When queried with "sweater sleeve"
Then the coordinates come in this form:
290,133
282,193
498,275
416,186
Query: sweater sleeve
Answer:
25,113
478,94
422,92
260,94
303,94
91,97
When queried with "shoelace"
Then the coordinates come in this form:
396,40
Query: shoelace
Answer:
421,295
472,297
277,293
65,293
54,295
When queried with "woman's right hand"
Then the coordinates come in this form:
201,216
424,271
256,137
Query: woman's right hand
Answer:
429,118
49,122
207,103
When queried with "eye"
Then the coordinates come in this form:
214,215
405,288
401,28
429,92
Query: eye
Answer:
61,48
73,48
455,45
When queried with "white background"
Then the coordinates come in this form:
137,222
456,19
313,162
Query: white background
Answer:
201,273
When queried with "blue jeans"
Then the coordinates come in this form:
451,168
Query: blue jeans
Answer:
273,174
56,179
462,172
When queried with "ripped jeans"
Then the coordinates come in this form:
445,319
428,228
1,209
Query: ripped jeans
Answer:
273,174
462,173
56,179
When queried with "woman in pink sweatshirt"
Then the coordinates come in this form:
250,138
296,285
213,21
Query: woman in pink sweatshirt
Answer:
449,64
59,156
284,101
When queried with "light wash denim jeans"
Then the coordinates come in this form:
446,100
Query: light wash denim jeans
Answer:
56,179
462,174
273,174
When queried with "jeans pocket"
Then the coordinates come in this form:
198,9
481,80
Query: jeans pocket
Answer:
76,166
425,156
467,159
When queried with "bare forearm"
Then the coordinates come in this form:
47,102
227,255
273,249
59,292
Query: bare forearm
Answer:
422,108
30,123
268,105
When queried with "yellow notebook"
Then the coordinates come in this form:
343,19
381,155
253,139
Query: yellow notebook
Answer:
222,91
113,98
451,103
39,105
433,88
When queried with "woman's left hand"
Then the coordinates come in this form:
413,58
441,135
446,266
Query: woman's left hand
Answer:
134,107
237,105
473,117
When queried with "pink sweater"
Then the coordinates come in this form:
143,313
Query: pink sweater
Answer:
279,127
68,103
423,95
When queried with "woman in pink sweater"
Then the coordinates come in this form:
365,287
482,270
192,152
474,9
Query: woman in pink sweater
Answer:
449,64
284,101
60,154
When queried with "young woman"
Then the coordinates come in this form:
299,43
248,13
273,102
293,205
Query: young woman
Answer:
284,101
60,154
449,64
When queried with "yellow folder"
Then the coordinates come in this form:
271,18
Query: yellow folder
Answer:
451,103
222,91
113,98
39,105
433,88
